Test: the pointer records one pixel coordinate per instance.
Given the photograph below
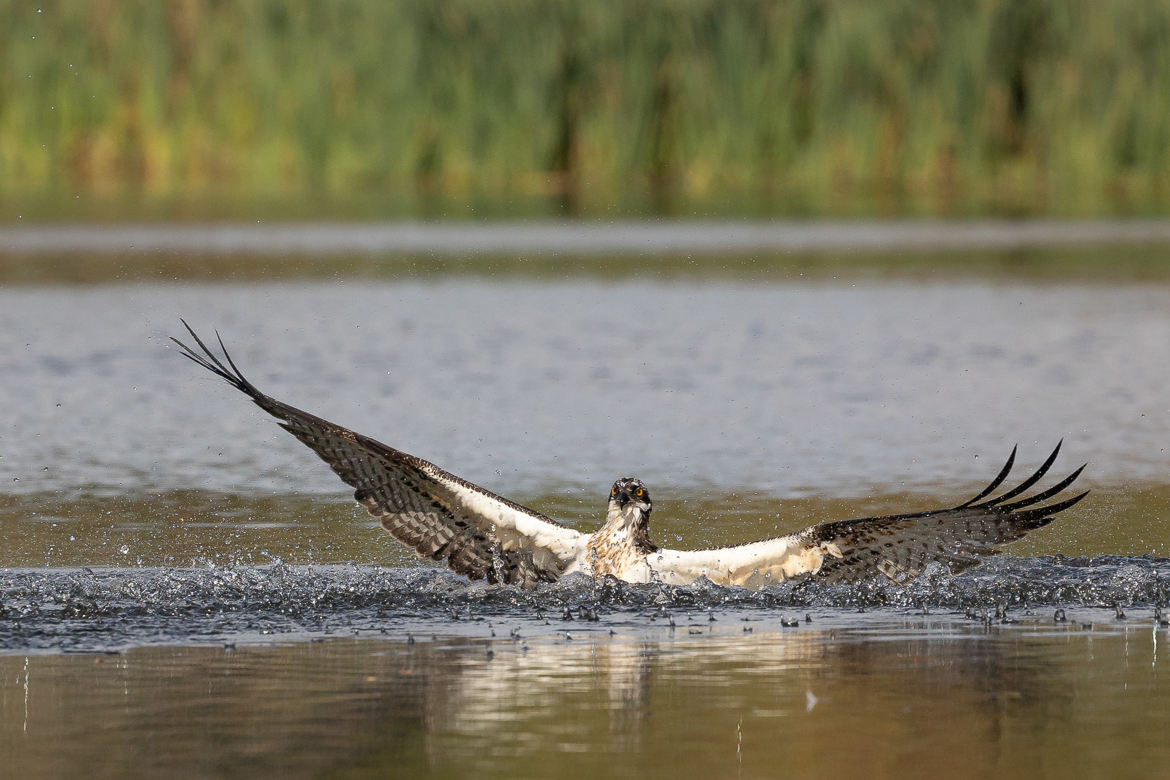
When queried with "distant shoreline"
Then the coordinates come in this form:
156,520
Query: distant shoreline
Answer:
577,237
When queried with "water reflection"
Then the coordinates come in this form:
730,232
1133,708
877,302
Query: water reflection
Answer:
890,696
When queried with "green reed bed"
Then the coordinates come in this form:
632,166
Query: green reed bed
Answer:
804,107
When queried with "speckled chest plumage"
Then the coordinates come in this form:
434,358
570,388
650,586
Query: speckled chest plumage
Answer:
614,552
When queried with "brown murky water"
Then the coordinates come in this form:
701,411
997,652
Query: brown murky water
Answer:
184,590
194,528
877,695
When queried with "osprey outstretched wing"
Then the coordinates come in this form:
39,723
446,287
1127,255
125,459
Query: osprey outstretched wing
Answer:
482,535
898,546
439,515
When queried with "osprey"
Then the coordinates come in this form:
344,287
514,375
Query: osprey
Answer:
482,535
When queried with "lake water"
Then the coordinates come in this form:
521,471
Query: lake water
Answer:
186,590
846,696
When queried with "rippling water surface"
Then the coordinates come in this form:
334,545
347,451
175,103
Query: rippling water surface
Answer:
835,389
184,589
883,694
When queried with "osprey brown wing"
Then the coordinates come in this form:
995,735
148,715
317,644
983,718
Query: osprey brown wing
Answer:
901,546
442,517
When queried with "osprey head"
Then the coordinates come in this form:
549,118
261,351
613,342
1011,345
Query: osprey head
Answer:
629,513
630,494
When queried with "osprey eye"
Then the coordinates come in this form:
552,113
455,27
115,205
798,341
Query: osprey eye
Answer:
640,492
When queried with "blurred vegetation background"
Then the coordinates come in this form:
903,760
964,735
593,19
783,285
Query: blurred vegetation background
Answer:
392,108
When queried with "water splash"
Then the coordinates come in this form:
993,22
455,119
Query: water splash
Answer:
97,609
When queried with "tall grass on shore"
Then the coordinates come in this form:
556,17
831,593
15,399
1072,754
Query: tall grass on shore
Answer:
798,107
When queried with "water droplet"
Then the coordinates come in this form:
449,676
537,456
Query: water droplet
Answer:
124,549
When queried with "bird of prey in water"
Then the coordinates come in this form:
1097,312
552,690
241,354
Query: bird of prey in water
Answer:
482,535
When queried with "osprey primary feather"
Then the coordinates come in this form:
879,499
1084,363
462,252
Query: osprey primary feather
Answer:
482,535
